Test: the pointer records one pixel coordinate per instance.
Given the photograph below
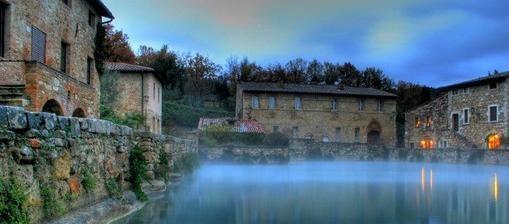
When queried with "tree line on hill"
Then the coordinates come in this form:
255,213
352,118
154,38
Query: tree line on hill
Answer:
191,79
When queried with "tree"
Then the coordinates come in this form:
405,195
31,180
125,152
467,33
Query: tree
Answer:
350,75
315,72
166,64
332,73
296,70
100,51
117,46
200,71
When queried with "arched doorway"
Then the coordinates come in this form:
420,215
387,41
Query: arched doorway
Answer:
426,143
374,133
79,113
494,141
52,106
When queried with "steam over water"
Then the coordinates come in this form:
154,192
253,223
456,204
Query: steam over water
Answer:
335,192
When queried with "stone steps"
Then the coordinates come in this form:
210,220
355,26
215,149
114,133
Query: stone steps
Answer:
13,95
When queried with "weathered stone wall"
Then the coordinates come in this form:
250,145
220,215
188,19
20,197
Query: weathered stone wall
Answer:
45,150
300,149
317,120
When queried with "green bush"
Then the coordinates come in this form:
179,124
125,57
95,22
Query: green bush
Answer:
188,116
13,202
138,170
89,182
163,168
52,205
276,139
133,120
187,163
114,188
223,134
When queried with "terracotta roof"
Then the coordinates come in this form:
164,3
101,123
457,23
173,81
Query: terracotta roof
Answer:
313,89
124,67
478,81
101,8
248,126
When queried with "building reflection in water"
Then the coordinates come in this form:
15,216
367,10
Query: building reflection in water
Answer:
494,187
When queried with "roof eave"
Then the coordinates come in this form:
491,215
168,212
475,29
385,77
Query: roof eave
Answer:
102,9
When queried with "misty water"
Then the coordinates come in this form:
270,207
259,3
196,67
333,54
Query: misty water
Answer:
335,192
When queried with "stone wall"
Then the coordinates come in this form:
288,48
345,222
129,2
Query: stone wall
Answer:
301,149
43,150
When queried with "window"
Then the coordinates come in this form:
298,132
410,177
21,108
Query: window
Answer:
494,141
466,116
412,145
426,143
380,106
298,103
90,63
361,103
357,135
443,144
3,24
158,95
417,122
493,113
154,91
338,134
255,102
38,45
91,19
272,102
64,55
295,132
275,128
67,2
429,121
493,85
334,105
455,92
455,122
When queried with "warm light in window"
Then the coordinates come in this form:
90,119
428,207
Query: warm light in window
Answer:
426,144
494,187
494,142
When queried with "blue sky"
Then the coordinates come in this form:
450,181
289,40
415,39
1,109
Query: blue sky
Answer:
431,42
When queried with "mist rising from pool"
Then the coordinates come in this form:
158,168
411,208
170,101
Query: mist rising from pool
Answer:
335,192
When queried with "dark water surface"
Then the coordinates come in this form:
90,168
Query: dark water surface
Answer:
335,192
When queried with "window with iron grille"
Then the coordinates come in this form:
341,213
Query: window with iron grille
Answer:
38,45
90,63
3,11
64,57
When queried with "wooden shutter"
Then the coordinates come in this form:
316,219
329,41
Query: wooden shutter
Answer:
38,45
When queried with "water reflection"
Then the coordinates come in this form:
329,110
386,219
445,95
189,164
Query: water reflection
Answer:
335,192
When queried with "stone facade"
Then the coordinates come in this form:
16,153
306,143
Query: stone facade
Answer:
42,149
137,90
318,119
66,78
461,117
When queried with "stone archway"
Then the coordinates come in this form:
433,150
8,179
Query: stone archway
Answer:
52,106
374,130
494,141
79,113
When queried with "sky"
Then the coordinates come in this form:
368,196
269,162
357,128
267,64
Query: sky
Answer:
430,42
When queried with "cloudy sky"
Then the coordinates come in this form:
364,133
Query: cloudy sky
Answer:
431,42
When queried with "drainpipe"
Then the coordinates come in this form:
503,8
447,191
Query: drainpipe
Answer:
143,100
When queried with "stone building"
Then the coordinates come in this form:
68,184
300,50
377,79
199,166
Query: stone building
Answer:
470,114
47,55
327,113
137,89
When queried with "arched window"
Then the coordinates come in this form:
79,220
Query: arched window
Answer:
427,143
52,106
79,113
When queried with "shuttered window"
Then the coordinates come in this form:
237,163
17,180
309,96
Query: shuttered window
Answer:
38,45
3,11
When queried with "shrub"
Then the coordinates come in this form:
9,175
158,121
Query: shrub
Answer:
187,163
89,182
133,120
276,139
13,202
223,134
163,168
114,188
52,206
138,170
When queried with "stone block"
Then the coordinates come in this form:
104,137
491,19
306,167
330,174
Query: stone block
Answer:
50,121
33,133
75,127
60,134
63,123
84,125
17,118
74,185
6,135
35,120
23,155
58,142
3,117
62,167
35,143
